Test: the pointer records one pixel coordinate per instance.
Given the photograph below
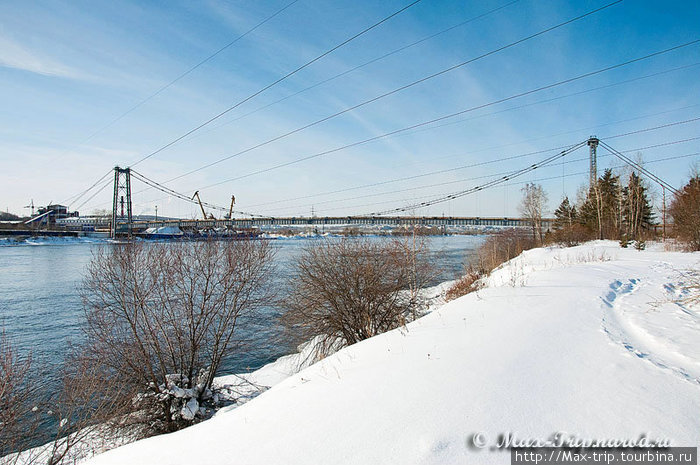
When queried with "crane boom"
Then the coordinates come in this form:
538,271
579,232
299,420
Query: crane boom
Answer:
230,210
196,194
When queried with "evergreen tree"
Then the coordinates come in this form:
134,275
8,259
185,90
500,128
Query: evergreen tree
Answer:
565,215
637,213
601,212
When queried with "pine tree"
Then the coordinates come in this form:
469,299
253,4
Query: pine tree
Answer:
565,215
637,213
601,212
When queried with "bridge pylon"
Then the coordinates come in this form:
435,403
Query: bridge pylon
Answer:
121,202
593,160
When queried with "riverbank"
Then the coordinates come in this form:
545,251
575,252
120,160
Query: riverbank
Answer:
594,341
43,314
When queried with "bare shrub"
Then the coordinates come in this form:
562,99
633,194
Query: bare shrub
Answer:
685,211
690,287
516,273
160,319
346,290
351,231
19,412
464,285
91,411
287,232
39,426
571,235
418,230
501,247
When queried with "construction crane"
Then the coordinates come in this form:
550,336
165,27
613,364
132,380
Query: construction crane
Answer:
230,210
204,214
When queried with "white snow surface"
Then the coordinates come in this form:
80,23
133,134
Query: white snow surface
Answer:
587,341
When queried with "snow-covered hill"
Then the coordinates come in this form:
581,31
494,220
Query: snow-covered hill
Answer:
589,341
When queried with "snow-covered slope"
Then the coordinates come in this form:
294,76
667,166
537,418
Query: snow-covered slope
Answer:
585,341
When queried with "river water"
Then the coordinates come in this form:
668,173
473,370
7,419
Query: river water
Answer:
41,310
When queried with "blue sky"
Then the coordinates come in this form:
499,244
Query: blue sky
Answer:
68,69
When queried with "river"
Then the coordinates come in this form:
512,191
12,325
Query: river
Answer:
41,310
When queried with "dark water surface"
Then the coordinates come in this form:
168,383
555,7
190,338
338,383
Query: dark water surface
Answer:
41,311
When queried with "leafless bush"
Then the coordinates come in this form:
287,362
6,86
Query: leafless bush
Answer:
19,412
690,288
571,235
468,283
516,273
501,247
351,231
419,230
160,319
347,290
91,411
287,232
40,426
685,211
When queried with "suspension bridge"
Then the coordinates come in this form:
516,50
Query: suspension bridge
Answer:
123,223
405,212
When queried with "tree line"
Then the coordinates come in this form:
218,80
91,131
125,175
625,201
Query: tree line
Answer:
614,208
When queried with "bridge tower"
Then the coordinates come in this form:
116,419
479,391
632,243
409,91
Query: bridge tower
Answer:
121,202
593,160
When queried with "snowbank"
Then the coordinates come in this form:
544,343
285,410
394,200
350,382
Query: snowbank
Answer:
587,341
243,387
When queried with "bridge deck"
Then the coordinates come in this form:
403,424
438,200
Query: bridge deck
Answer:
342,220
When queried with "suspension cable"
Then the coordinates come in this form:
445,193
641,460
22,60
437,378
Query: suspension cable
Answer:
637,166
492,183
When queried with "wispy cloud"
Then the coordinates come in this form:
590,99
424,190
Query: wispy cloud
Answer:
17,56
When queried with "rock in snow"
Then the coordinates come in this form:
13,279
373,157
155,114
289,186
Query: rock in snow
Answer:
190,409
588,342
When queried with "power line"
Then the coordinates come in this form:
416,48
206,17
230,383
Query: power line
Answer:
398,89
517,107
94,195
181,196
560,97
559,176
169,84
355,68
442,118
77,197
301,206
291,73
501,159
190,70
482,163
410,131
675,157
520,172
493,183
637,166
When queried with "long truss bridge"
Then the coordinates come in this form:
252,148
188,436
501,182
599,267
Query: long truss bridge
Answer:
395,221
